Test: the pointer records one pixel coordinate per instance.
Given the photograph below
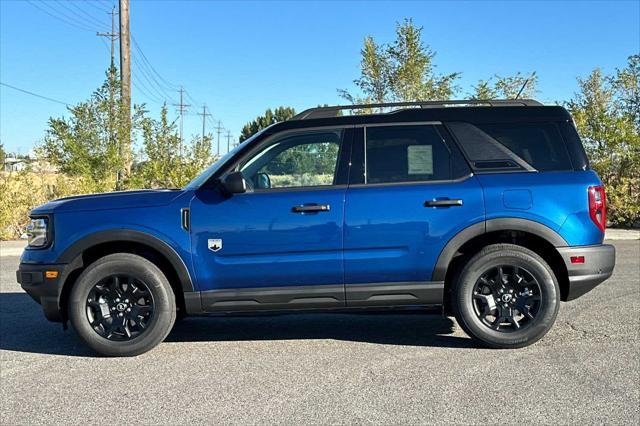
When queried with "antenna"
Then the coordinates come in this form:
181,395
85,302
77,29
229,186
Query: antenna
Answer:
533,74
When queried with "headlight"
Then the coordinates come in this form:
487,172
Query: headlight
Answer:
37,232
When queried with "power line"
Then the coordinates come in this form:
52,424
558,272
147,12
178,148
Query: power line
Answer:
90,18
93,4
160,93
35,94
145,91
167,84
145,67
62,18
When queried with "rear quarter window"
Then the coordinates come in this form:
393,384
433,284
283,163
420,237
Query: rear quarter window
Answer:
539,144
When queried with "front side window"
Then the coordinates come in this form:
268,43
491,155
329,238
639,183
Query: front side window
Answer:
296,160
406,154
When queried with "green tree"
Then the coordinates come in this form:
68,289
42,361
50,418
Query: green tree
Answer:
87,144
606,115
3,154
270,117
403,70
163,162
160,165
374,75
508,87
198,157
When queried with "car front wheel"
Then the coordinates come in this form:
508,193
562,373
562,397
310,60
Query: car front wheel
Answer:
506,296
122,305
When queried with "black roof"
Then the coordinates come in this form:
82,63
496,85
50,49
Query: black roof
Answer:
504,113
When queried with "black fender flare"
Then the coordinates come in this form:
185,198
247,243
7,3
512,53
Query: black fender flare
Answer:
491,225
74,252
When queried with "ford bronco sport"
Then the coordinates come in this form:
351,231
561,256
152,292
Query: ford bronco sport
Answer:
487,209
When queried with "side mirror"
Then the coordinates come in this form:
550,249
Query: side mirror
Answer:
263,181
234,183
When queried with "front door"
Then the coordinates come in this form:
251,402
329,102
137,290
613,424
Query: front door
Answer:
279,245
413,193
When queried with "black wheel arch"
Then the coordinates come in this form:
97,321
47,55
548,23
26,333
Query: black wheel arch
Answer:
527,233
75,251
93,246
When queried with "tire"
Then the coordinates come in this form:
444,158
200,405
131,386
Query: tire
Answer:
92,300
529,289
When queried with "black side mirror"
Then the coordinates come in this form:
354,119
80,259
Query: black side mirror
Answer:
234,183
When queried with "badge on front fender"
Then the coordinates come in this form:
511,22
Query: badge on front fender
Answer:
214,244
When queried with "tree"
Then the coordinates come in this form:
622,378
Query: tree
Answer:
198,156
374,79
86,144
161,165
606,115
508,87
270,117
402,71
3,154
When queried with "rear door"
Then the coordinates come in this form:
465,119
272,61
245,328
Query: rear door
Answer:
410,192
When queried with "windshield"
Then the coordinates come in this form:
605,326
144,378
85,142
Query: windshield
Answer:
209,171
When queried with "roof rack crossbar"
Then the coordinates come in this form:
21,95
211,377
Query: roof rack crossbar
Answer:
332,111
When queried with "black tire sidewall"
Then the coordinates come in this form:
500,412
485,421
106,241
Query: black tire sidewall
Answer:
505,254
164,304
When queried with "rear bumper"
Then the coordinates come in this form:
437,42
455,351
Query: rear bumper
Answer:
598,266
45,291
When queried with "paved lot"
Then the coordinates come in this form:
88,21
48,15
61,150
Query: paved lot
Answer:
331,368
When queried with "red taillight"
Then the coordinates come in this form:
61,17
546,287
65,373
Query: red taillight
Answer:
577,259
598,206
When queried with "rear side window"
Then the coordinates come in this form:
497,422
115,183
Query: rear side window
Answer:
406,154
539,144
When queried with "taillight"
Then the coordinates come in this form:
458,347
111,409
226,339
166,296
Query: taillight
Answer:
598,206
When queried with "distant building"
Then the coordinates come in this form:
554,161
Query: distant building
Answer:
12,164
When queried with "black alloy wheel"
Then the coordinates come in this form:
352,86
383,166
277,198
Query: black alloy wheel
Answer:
507,298
120,307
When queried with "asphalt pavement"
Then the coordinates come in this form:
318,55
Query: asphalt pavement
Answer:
331,369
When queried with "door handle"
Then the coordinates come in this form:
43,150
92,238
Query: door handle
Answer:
443,203
311,208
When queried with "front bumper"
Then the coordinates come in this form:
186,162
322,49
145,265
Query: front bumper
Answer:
598,266
45,291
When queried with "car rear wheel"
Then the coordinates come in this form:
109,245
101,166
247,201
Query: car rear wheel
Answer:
506,296
122,305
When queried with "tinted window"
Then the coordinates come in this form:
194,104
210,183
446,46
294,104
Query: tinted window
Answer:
294,161
539,144
406,154
574,146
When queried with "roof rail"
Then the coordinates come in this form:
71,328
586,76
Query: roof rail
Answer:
332,111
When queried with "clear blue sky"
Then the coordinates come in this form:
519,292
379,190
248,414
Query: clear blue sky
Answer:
242,57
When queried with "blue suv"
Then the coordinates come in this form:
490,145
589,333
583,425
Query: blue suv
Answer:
487,209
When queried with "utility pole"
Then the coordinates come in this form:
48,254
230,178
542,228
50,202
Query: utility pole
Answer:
219,130
113,133
125,87
204,115
182,108
113,35
228,141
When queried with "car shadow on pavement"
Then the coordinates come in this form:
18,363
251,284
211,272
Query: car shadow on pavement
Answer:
409,328
23,328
